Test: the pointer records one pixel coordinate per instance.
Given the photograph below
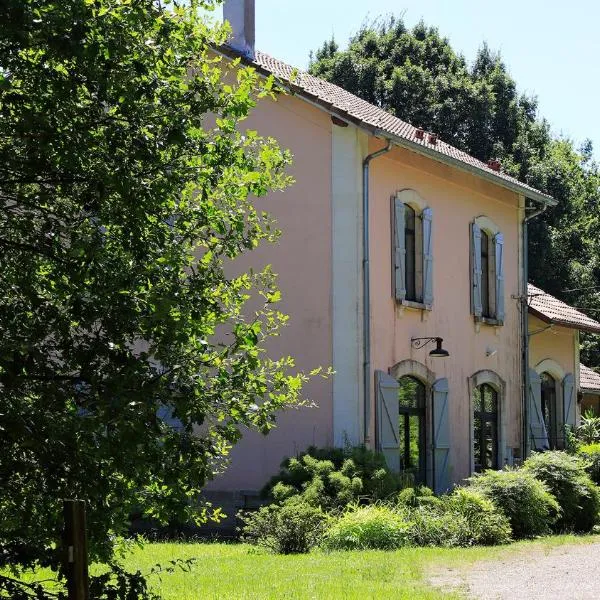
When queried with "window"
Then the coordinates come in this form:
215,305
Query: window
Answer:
410,245
548,403
485,427
412,263
487,271
411,426
485,275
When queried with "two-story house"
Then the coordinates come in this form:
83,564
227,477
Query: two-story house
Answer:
390,235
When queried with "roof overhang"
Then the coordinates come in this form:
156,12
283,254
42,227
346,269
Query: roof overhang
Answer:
560,323
396,140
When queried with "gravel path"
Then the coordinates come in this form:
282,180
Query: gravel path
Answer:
570,572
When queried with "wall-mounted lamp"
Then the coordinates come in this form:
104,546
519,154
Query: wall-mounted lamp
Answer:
438,351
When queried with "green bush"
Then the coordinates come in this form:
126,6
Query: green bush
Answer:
530,508
333,478
591,454
487,525
434,526
589,430
293,527
566,477
368,527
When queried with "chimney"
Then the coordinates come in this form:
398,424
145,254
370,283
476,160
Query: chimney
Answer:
240,14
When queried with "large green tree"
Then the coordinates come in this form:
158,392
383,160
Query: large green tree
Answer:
130,360
416,74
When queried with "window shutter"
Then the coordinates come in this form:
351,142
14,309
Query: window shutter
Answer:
399,251
388,419
427,218
441,436
537,427
499,247
476,270
569,403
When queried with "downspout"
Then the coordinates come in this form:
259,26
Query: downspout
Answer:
525,449
367,293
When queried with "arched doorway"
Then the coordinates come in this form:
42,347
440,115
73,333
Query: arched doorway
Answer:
485,427
549,409
411,427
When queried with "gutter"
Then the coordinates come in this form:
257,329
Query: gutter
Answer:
525,446
367,293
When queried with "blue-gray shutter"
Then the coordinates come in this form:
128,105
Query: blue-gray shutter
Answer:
388,419
569,403
427,219
399,251
499,247
476,270
441,436
537,426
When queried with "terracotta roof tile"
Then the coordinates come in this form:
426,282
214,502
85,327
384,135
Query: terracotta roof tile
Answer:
374,117
553,310
588,378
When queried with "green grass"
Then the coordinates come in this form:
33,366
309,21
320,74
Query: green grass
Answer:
238,571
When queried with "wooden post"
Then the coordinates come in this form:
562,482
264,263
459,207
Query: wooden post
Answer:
75,548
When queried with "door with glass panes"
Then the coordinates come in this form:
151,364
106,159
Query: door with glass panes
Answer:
485,427
411,427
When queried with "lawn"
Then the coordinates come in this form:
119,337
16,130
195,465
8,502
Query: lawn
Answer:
236,571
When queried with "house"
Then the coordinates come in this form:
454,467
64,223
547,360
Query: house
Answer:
402,265
589,383
557,380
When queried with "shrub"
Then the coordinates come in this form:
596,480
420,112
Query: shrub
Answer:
293,527
589,430
434,526
591,454
530,508
368,527
418,496
487,525
566,477
333,477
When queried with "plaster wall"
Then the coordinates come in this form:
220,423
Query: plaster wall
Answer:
456,199
302,259
557,344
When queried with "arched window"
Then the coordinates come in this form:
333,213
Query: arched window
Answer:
411,426
548,397
410,245
485,427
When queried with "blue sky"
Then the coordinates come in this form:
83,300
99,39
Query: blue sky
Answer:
552,48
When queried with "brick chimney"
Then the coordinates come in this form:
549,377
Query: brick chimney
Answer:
240,14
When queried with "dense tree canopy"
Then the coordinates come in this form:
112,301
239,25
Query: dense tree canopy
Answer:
416,75
129,358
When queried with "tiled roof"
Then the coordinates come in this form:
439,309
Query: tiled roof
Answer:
380,122
588,378
552,310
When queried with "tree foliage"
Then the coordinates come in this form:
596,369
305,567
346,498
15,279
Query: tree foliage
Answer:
131,357
416,75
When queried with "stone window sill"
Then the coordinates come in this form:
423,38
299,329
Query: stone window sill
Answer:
489,321
415,305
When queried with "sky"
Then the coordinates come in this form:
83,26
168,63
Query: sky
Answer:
551,47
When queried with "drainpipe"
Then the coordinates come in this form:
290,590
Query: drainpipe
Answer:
525,449
367,292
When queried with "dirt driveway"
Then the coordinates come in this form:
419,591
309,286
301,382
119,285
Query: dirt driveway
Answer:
570,572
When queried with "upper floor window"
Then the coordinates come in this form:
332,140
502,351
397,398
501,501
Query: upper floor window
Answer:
487,270
412,249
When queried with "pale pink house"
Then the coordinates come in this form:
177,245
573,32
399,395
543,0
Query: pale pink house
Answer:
560,387
390,234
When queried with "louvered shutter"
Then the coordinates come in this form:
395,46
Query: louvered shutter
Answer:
476,270
427,218
399,251
499,247
569,402
537,426
441,436
388,419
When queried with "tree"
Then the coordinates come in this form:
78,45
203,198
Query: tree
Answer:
130,358
416,75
